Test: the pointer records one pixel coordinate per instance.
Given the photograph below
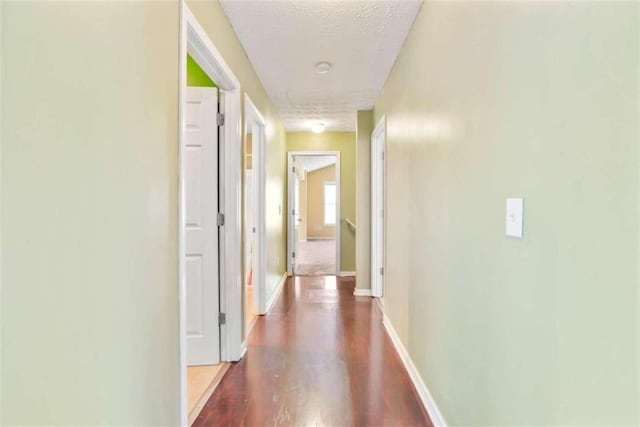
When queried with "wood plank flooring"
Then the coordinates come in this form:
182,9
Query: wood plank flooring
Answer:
321,357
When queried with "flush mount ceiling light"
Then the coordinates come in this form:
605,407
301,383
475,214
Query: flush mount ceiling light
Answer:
323,67
317,127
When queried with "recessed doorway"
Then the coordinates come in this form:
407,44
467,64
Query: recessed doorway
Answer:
314,214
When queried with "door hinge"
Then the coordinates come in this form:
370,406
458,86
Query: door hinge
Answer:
382,155
382,271
220,119
254,229
294,169
220,219
222,318
293,254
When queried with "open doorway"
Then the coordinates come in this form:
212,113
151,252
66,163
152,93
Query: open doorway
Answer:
209,230
254,214
314,214
201,191
378,147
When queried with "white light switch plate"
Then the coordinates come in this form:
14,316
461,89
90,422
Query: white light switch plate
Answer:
515,208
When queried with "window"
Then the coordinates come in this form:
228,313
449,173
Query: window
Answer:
329,203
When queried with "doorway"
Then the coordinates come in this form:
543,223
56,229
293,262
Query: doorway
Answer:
209,233
378,147
255,214
314,213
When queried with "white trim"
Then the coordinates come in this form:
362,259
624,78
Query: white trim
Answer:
258,167
290,203
194,40
277,291
243,347
347,274
362,292
380,302
378,206
425,396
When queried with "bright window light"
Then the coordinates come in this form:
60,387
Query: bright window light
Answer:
329,203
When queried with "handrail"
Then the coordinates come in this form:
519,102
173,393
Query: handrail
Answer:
350,224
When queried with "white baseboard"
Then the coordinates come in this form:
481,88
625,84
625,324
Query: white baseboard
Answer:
347,273
276,293
427,399
243,348
362,292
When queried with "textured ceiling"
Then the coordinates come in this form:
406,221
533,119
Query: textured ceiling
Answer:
284,39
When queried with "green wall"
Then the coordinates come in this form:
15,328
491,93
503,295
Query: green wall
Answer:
345,143
196,75
489,100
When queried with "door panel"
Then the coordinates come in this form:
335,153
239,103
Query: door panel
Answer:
201,202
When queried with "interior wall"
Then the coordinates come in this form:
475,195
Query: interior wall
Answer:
196,76
89,199
214,21
1,118
364,128
345,143
89,213
316,228
490,100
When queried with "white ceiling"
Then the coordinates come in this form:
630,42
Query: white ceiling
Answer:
284,39
311,163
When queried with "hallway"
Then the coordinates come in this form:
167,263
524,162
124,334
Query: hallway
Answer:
320,357
316,258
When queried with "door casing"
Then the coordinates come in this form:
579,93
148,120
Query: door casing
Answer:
258,175
378,207
290,203
195,41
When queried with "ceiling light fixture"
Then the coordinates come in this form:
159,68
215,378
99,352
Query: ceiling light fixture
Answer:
323,67
317,127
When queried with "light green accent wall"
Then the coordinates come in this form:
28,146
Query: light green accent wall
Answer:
196,75
345,143
489,100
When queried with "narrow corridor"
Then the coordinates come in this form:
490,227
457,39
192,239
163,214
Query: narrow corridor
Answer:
321,357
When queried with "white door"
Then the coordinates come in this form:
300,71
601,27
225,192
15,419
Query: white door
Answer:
201,199
378,138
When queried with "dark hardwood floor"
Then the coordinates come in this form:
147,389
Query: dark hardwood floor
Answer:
321,357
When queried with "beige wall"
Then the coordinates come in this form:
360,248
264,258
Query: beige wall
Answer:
490,100
212,18
316,229
345,143
364,128
89,206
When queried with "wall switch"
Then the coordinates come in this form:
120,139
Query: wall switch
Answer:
515,209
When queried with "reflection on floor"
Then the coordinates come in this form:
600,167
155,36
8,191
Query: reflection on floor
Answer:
250,314
320,357
201,380
316,258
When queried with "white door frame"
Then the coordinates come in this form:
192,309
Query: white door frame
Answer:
290,204
258,176
378,207
195,41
